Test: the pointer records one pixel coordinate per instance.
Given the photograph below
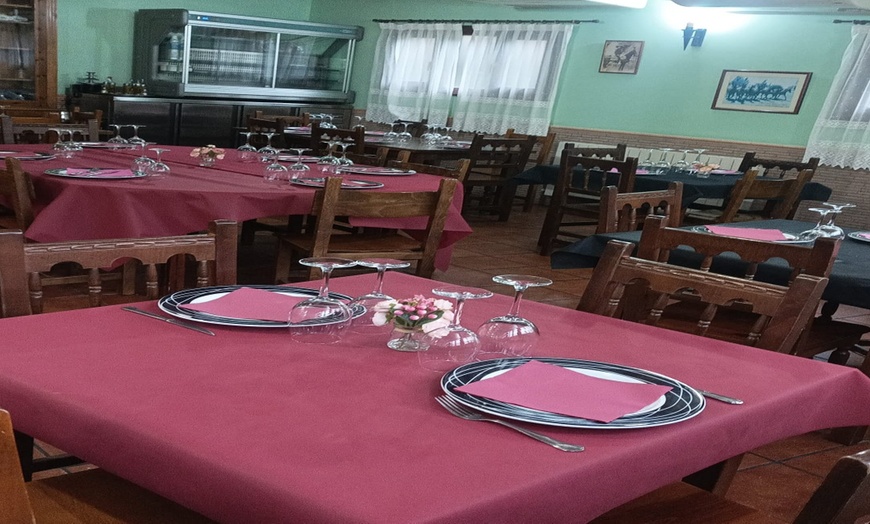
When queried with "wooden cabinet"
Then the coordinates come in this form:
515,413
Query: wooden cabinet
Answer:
28,53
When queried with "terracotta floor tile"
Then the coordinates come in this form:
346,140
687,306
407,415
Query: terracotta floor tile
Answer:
796,447
820,463
774,489
751,460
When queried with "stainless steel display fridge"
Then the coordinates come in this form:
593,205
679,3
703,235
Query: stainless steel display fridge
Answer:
180,53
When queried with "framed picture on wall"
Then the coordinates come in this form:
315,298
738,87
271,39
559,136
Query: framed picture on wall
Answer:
761,91
621,56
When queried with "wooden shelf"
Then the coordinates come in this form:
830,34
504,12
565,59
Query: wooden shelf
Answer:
37,37
16,79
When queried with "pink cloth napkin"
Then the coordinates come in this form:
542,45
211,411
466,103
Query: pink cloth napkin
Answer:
724,172
102,173
770,235
552,388
249,303
641,172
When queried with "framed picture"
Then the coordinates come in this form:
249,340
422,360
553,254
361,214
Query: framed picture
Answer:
762,91
621,56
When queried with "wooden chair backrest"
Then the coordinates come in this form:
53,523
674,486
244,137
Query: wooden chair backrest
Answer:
776,168
844,495
459,172
378,159
623,211
783,311
616,153
16,187
94,120
13,493
332,202
597,174
320,135
21,264
781,193
415,127
291,120
500,157
542,153
658,240
43,130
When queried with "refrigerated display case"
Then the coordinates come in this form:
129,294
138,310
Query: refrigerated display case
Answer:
190,53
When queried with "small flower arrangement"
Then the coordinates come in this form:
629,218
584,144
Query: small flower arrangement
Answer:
209,151
704,168
416,313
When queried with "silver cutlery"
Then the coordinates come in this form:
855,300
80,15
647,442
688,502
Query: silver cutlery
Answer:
720,398
457,409
172,321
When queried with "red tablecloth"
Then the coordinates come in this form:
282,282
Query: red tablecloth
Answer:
248,426
187,199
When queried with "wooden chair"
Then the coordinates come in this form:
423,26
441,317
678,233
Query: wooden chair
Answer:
842,498
614,153
378,159
541,155
332,202
780,196
495,161
459,171
625,211
578,195
782,311
93,496
20,263
260,126
776,168
43,131
16,188
320,135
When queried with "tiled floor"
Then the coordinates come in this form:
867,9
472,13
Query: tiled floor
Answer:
777,478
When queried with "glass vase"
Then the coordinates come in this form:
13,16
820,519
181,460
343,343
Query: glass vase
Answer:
405,339
207,161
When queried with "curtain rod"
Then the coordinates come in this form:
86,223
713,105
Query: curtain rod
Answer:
856,22
380,20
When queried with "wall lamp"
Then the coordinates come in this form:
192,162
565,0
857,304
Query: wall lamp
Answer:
693,36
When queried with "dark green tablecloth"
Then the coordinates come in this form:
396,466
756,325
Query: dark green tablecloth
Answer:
849,281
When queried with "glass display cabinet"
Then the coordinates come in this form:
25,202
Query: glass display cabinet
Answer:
189,53
28,53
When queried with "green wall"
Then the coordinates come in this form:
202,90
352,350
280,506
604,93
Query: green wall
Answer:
96,35
673,89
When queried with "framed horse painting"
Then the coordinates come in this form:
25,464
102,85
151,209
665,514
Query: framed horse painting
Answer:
621,56
761,91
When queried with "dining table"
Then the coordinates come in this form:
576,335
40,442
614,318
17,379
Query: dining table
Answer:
254,425
187,198
849,281
716,186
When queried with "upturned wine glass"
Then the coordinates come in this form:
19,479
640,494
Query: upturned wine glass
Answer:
363,323
404,136
158,168
329,159
136,139
298,168
141,164
453,345
826,228
247,152
344,160
391,135
274,170
324,318
118,140
510,335
267,153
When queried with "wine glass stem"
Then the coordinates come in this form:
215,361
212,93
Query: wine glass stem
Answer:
518,297
457,316
380,284
324,288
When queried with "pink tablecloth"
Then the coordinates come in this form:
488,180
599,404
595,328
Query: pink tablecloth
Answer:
248,426
187,199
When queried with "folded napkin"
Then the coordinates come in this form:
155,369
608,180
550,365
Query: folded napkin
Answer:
724,172
250,304
547,387
865,236
101,173
770,235
641,172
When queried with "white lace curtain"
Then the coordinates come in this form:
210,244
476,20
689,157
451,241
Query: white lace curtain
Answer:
414,72
841,135
505,75
508,77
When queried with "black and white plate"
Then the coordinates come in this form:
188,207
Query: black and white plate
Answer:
860,236
305,159
174,305
102,173
377,171
789,238
106,145
679,404
347,183
25,156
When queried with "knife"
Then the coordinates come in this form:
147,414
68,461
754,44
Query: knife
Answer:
173,321
721,398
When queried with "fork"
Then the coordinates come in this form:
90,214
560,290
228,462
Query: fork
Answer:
457,409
